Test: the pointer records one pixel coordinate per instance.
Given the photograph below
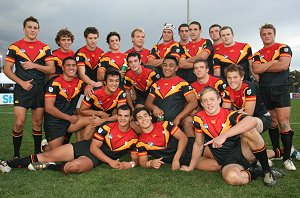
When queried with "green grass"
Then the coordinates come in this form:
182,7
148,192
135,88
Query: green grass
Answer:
138,182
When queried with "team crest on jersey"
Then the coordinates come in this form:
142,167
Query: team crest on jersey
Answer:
113,60
88,60
199,94
41,51
22,51
150,144
7,52
261,56
286,49
110,136
177,50
223,125
158,88
171,123
157,76
50,89
87,98
64,90
77,58
205,126
100,130
163,132
124,95
190,87
241,51
249,92
173,87
224,86
225,56
99,102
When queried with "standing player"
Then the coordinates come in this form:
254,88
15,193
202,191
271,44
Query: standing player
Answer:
104,100
164,141
88,57
272,63
214,33
138,39
112,141
114,58
197,48
61,97
166,48
64,39
32,60
172,97
222,130
139,78
232,53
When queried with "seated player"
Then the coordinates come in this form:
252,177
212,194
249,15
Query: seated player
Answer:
222,130
164,141
139,80
61,96
103,101
172,97
106,147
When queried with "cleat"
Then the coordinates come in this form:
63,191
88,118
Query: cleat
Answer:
269,179
44,144
4,167
295,153
289,165
39,165
269,162
277,173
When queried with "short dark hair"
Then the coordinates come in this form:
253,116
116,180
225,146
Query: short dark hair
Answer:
31,18
234,68
214,25
133,54
90,30
139,109
196,23
68,58
111,72
124,108
183,25
226,28
172,58
268,26
112,34
201,60
63,33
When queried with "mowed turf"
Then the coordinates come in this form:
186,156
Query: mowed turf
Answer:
104,181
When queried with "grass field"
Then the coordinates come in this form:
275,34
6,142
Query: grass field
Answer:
138,182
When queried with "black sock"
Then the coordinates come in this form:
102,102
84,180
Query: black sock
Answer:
17,141
261,156
67,138
37,137
23,162
274,136
287,142
57,167
253,174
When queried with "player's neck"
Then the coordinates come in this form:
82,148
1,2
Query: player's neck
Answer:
182,42
230,45
203,80
137,48
139,71
269,45
91,48
149,129
124,128
114,50
64,50
217,42
29,40
196,40
67,78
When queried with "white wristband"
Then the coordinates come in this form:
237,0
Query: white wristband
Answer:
132,164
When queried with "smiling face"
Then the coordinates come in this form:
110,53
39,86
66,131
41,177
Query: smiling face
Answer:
144,120
70,68
112,84
167,35
169,67
92,41
210,101
65,43
123,117
138,39
234,80
114,43
134,64
31,30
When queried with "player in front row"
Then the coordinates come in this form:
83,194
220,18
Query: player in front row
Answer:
222,130
111,141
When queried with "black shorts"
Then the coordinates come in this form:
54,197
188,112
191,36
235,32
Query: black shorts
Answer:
34,98
266,120
140,99
55,130
276,97
82,148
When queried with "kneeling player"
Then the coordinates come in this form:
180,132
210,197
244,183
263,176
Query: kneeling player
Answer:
112,141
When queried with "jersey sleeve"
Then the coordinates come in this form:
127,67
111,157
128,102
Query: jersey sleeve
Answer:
235,117
80,59
51,90
285,51
11,54
196,123
208,47
154,53
122,98
188,89
101,132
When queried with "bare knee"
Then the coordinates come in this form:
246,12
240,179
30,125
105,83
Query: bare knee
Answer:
73,167
233,178
284,125
187,124
19,125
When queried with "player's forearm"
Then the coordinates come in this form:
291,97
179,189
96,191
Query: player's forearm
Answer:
243,126
86,79
49,68
52,110
262,67
188,109
217,72
129,99
155,62
279,66
184,64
